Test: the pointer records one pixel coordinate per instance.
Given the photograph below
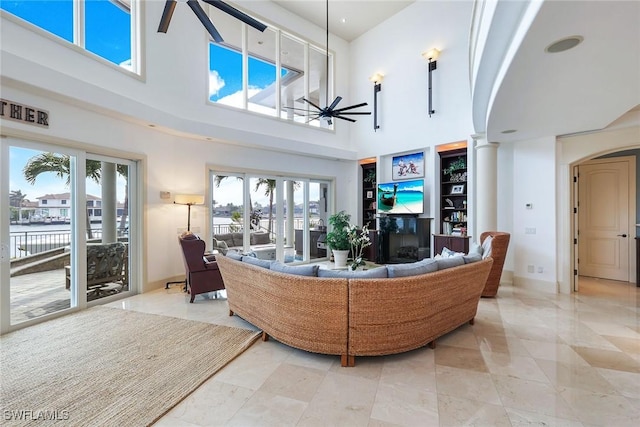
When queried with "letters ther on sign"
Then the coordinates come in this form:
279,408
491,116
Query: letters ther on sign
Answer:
10,110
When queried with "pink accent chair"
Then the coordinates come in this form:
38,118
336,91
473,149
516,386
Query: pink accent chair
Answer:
202,272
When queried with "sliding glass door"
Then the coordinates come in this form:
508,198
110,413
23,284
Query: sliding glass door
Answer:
285,217
65,223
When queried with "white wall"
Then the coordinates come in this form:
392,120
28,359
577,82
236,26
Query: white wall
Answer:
173,90
534,181
394,48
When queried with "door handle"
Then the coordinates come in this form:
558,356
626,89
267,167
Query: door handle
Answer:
622,235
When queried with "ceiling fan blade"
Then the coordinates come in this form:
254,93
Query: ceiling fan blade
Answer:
347,113
309,102
335,102
197,9
237,14
167,13
345,118
352,106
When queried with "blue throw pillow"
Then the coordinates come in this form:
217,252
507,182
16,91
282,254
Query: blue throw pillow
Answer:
427,265
257,261
234,255
454,261
374,273
299,270
468,259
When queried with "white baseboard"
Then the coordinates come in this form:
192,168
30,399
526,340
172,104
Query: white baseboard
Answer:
535,285
507,277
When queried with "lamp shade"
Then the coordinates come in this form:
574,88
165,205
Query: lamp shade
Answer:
376,78
189,199
431,54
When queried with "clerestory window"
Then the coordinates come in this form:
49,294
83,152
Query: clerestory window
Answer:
267,72
105,28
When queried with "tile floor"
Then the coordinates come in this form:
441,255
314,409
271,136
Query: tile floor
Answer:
530,359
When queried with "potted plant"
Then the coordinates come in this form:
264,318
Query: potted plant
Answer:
358,240
338,237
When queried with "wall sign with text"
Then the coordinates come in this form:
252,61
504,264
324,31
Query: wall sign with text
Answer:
11,110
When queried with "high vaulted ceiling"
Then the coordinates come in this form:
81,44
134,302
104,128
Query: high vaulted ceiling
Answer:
348,19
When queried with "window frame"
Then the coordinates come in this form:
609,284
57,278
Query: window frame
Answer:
135,29
244,51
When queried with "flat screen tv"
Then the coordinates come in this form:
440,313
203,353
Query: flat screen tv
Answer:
401,197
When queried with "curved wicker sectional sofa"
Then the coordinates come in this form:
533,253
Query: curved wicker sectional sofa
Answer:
353,317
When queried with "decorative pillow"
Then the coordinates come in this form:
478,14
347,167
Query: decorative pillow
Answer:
475,249
427,265
468,259
486,247
256,261
220,245
446,252
453,261
227,238
234,255
374,273
260,238
298,270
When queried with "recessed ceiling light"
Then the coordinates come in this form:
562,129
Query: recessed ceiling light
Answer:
343,20
509,131
564,44
152,126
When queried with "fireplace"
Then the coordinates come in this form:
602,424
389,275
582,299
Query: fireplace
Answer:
403,238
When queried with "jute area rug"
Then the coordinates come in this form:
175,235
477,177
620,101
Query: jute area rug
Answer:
109,367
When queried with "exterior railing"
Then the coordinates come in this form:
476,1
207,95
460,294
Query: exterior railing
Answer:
23,243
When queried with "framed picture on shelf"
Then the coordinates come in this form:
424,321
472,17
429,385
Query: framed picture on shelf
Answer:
369,194
407,166
457,189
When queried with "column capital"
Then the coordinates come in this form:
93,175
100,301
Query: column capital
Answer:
486,144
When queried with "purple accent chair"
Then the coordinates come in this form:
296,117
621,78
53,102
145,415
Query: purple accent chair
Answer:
202,273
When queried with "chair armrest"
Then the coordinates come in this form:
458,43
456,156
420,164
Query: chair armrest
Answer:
210,265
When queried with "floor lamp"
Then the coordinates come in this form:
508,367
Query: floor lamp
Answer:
188,200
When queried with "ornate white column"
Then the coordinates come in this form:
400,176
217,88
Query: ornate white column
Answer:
486,177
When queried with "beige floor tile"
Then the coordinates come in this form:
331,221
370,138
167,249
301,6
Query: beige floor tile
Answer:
466,384
520,418
414,369
266,409
601,409
575,376
293,381
341,400
405,406
532,396
608,359
461,337
625,383
502,344
214,403
456,412
628,345
458,357
522,367
553,351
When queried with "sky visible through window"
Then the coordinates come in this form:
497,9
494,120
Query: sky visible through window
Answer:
108,26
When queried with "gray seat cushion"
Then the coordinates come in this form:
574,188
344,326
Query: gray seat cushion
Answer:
427,265
299,270
374,273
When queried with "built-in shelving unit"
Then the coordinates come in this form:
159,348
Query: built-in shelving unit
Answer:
453,202
369,194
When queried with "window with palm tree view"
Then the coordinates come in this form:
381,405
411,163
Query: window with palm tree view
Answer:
272,218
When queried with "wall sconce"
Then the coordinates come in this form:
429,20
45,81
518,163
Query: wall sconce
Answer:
189,200
377,87
431,55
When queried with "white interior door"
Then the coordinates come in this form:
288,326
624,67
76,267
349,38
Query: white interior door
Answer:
603,216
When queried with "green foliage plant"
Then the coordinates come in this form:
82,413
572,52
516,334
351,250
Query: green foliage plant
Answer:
338,237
